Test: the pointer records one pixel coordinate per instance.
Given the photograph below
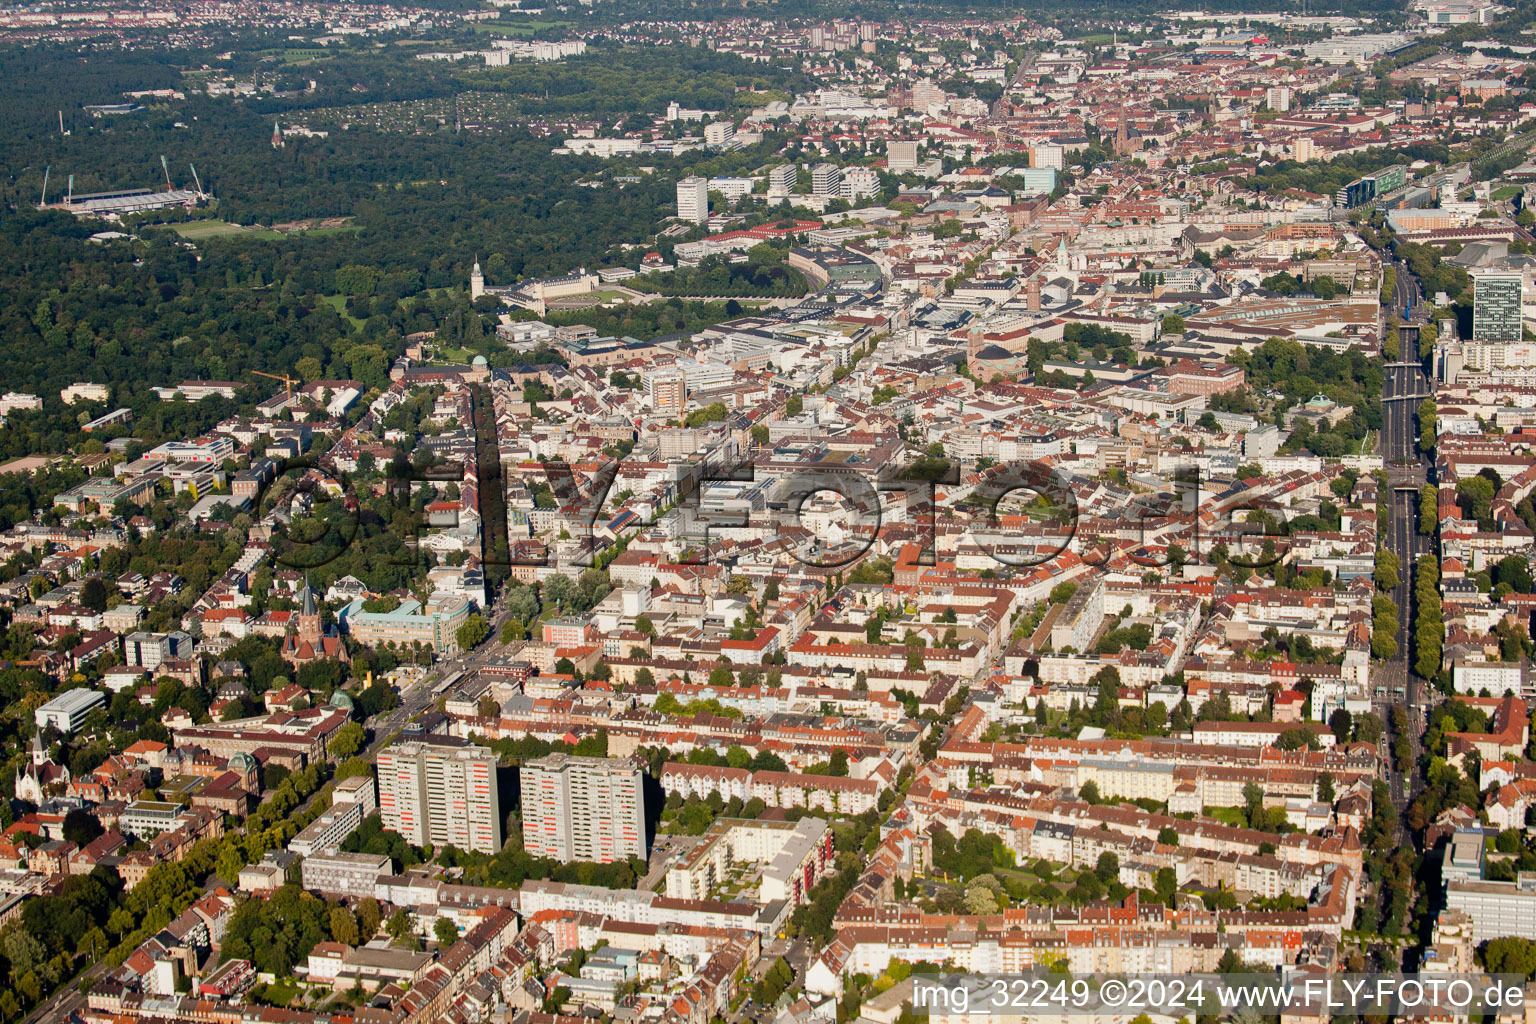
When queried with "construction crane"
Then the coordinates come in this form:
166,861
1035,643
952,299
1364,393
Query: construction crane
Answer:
288,382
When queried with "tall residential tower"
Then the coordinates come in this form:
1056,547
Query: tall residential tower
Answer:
693,200
436,790
1496,303
583,808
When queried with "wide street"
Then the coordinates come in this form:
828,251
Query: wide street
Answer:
1394,684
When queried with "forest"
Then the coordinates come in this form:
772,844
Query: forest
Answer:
1299,372
159,308
1327,177
763,275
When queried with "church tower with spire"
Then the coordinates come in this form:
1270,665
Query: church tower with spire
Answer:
309,614
277,135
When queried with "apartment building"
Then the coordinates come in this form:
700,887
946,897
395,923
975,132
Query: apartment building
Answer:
151,650
344,874
583,808
352,800
440,790
786,857
693,200
826,180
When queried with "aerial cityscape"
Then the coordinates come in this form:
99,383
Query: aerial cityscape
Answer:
713,512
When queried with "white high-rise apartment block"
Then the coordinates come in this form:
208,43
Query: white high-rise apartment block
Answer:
693,200
826,180
719,133
439,791
781,180
859,182
583,808
901,156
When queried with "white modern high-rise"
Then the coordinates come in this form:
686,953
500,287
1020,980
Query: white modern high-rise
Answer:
583,808
859,182
826,180
1497,305
693,200
781,180
441,791
900,156
719,133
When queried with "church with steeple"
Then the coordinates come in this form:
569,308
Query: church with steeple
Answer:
39,777
310,640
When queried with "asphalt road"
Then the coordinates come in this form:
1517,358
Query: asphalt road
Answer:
1407,288
1394,683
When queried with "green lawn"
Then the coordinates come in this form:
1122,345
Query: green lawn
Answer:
339,304
521,28
281,993
1228,816
1507,192
200,229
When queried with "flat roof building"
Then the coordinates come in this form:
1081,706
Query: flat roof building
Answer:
789,857
66,711
693,200
583,808
440,791
344,874
1496,300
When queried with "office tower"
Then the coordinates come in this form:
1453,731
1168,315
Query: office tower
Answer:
693,200
1496,305
900,156
826,180
669,391
583,808
1048,155
720,133
859,182
438,790
781,180
1038,179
